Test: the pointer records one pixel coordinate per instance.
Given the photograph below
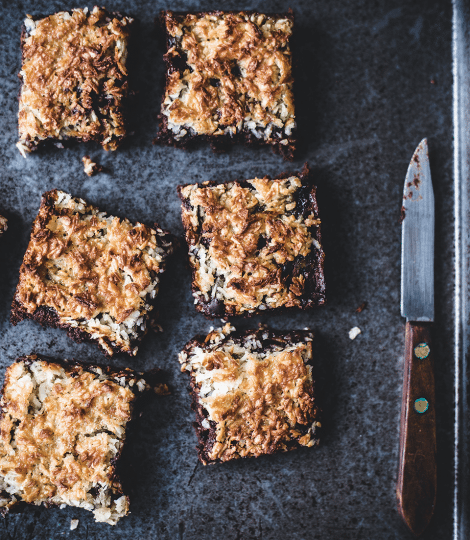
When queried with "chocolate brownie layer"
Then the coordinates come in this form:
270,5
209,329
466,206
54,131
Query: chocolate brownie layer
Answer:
74,78
95,275
253,392
229,79
254,245
62,430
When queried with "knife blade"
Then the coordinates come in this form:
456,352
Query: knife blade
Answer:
417,471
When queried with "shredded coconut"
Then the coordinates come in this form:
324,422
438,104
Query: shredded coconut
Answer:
354,332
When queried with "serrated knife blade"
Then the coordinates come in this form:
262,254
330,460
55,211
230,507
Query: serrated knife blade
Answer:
417,246
417,471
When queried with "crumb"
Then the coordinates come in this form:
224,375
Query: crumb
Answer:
361,307
3,225
157,328
162,389
354,332
90,167
73,524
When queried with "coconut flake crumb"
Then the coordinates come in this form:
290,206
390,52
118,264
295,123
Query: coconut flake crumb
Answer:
162,389
3,225
73,524
354,332
90,167
157,328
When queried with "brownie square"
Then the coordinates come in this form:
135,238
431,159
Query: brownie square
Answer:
62,430
253,392
228,79
95,275
254,245
74,78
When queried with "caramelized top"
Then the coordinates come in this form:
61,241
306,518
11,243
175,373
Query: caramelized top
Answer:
74,78
242,239
97,272
229,72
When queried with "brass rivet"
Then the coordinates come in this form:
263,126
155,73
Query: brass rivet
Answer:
422,351
421,405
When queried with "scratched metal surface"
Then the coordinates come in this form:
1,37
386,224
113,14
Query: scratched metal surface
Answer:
461,54
374,79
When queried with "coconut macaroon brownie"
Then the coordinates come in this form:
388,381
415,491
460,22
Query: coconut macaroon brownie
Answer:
62,430
253,393
254,245
229,79
95,275
74,82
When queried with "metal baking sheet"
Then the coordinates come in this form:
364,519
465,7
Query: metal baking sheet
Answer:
461,110
373,79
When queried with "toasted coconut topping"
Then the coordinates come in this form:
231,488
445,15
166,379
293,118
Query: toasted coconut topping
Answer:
74,78
229,73
254,393
252,245
62,428
99,274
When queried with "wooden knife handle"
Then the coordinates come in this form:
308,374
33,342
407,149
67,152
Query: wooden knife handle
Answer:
417,475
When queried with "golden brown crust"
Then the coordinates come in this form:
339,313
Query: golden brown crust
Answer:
253,394
62,429
229,73
242,237
98,273
74,78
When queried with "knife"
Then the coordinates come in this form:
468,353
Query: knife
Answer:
416,486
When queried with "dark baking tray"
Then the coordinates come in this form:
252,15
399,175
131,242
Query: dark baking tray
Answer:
461,109
373,79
